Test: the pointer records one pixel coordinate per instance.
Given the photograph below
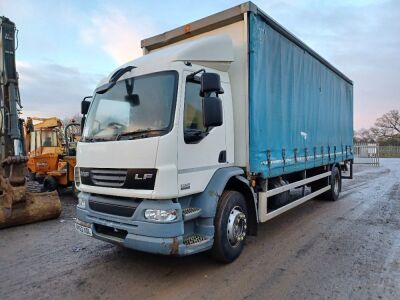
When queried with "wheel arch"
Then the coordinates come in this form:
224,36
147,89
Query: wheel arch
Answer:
242,185
223,179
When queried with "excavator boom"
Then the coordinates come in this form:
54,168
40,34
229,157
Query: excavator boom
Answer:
18,205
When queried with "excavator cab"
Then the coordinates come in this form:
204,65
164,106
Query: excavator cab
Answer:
44,146
63,176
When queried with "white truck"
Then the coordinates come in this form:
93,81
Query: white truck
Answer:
189,147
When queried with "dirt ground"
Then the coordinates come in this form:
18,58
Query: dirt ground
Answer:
349,249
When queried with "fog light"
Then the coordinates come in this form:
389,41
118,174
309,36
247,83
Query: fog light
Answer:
160,215
81,202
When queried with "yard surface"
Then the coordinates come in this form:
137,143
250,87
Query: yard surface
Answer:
349,249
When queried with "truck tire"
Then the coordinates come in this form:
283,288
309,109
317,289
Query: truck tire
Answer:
50,184
336,186
230,227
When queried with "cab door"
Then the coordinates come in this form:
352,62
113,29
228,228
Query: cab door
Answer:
201,151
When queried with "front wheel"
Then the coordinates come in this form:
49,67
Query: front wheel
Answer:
230,227
50,184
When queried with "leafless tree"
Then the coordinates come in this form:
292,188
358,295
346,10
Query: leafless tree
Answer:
74,119
388,126
364,136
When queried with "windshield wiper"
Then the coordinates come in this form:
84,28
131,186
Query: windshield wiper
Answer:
98,139
139,133
113,80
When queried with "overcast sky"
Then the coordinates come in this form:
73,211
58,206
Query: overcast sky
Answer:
66,47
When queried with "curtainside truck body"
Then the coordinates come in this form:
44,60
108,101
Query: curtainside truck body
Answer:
189,147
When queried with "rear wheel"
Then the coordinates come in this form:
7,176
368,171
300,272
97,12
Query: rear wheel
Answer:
335,185
50,184
230,227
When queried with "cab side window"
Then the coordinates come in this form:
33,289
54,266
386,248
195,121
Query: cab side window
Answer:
194,131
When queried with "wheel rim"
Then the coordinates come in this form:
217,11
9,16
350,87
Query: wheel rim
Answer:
336,186
237,226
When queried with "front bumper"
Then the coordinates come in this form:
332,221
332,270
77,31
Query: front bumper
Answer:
136,232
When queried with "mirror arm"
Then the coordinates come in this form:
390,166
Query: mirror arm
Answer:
191,76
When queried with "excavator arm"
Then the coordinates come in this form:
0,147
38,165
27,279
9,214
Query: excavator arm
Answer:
17,204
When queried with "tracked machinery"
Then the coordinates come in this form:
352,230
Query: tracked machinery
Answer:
20,202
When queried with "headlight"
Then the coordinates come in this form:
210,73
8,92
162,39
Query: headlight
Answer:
160,215
81,202
77,176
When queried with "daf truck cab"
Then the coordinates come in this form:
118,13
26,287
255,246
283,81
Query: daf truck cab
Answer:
165,163
151,143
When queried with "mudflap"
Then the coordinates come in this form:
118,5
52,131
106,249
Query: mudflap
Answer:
34,207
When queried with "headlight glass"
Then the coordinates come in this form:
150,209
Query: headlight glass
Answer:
81,202
160,215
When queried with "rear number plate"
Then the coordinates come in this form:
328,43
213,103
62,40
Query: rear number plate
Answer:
83,229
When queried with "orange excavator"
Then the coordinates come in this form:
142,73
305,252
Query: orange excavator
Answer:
51,150
20,201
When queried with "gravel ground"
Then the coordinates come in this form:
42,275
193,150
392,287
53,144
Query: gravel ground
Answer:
349,249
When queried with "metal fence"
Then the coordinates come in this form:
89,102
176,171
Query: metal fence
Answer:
389,151
366,153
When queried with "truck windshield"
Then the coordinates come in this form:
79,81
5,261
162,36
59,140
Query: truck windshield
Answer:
136,107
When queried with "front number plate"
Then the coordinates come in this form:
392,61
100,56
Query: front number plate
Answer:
83,229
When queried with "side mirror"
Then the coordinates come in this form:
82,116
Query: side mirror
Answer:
212,112
210,82
85,106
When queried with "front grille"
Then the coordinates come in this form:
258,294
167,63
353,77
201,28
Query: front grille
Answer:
140,179
112,209
109,177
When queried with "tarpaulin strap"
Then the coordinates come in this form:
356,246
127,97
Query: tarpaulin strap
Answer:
315,152
322,153
342,152
269,158
334,153
329,153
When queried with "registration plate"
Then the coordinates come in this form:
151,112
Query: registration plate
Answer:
83,229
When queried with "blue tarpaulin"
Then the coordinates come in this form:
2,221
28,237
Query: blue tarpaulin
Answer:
300,111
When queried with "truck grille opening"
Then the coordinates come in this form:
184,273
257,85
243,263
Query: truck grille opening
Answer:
109,177
112,209
105,230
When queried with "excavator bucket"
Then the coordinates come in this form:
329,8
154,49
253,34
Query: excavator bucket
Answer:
20,203
36,207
